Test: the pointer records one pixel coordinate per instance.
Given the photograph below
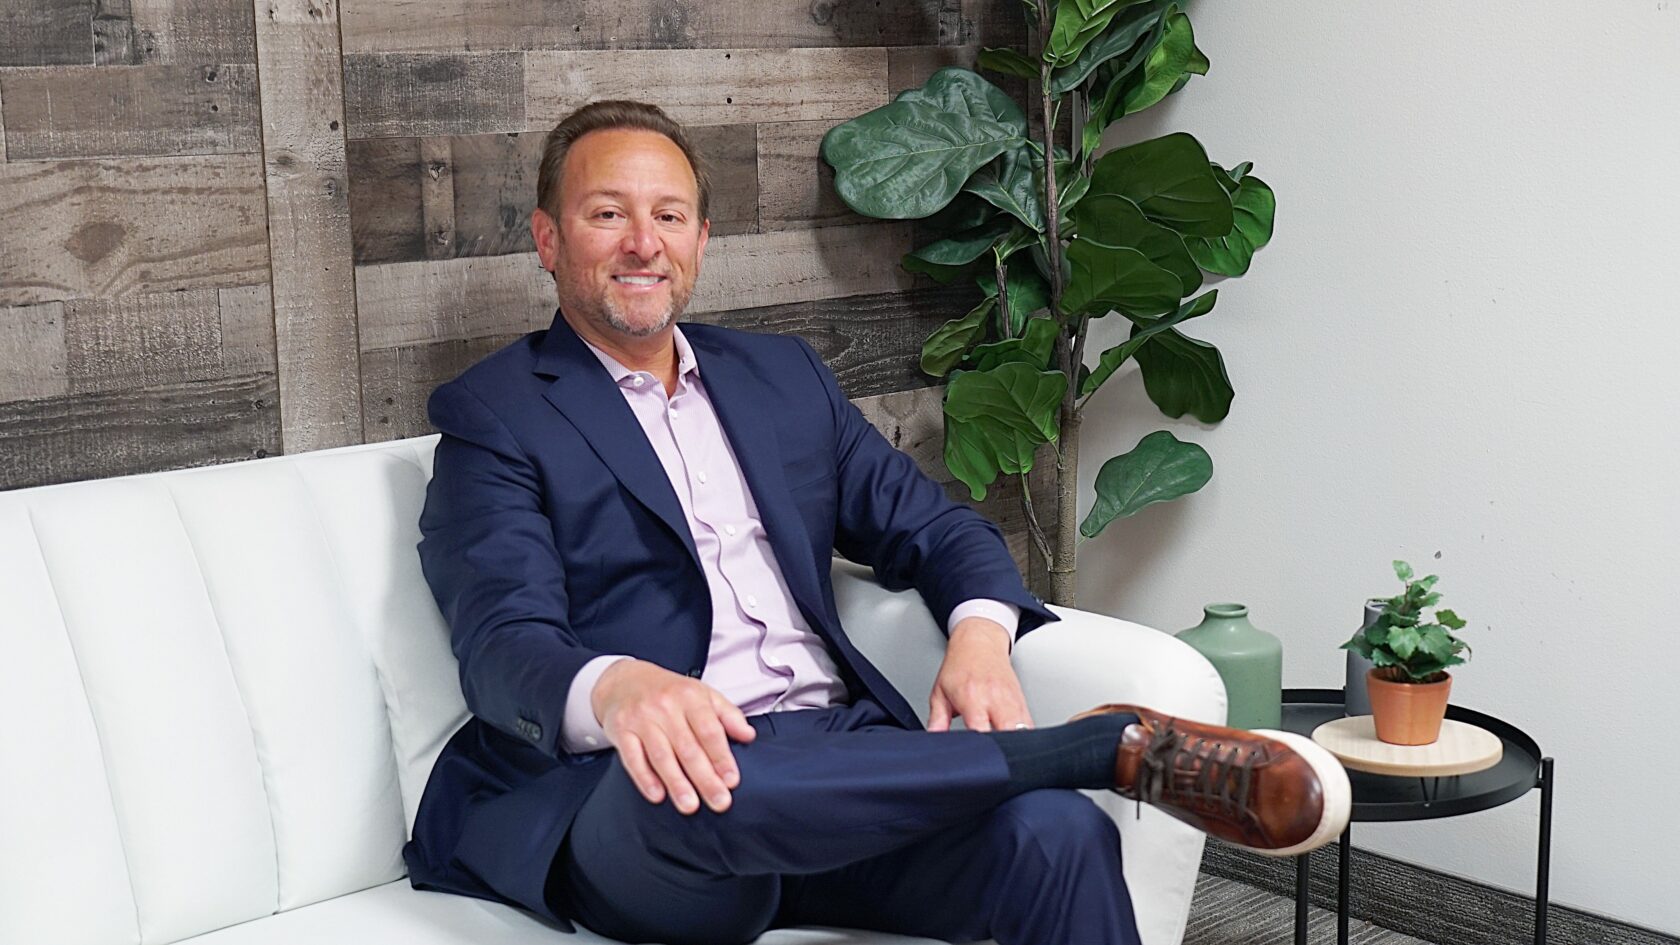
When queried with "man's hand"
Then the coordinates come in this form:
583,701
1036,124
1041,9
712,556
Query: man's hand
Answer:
976,681
672,733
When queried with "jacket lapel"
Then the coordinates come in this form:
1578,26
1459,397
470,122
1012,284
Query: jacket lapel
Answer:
584,392
739,399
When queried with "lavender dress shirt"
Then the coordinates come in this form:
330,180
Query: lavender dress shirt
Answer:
763,657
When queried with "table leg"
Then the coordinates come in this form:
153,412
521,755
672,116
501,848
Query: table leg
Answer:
1303,881
1345,854
1543,881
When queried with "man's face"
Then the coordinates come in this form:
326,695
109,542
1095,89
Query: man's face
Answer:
626,246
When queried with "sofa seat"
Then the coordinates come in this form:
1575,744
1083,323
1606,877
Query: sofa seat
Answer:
224,690
397,914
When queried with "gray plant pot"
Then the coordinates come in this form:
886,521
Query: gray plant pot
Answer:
1357,699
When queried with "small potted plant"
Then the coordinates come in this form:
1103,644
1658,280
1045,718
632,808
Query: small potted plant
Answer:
1409,685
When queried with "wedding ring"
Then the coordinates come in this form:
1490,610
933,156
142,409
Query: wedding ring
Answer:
1021,725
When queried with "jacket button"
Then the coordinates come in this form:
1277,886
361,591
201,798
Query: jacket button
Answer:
694,674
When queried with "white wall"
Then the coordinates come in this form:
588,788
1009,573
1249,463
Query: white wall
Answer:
1460,349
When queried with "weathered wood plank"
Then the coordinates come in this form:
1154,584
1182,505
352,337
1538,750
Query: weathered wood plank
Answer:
758,269
437,197
32,356
396,94
143,340
113,34
910,67
494,191
795,185
114,111
114,433
46,32
194,32
387,213
872,343
398,211
2,127
396,382
94,229
411,303
914,422
730,153
464,25
309,224
987,23
247,317
707,86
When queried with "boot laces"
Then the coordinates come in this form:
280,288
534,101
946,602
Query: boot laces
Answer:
1189,771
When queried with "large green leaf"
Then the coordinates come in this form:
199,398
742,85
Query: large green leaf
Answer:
1159,469
909,158
1078,23
1034,347
964,92
1170,180
1183,375
1168,61
1254,208
1028,292
1008,62
965,247
1111,80
1106,277
1116,356
1128,27
1115,221
1009,184
995,419
946,345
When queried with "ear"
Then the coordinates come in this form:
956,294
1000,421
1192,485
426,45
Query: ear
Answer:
545,233
705,234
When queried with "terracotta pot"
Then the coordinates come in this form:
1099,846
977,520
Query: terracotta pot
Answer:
1408,713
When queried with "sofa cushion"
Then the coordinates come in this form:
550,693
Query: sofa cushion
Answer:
396,914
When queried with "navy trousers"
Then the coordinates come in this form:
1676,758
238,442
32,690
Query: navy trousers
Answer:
844,819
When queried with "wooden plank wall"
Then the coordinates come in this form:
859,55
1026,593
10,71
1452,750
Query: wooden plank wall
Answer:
235,227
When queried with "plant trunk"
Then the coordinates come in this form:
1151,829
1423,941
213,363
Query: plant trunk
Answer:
1064,567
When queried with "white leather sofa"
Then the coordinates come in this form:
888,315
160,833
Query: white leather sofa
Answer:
222,689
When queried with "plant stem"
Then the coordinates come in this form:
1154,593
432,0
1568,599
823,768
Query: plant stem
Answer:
1034,530
1006,323
1063,564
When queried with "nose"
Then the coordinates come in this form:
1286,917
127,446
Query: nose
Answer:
640,239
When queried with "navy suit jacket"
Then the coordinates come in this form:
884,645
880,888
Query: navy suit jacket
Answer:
551,535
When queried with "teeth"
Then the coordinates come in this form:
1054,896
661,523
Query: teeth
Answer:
637,280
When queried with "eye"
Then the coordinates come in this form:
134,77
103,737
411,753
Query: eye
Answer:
604,214
671,217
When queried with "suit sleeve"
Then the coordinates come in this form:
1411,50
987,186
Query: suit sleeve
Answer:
487,550
895,519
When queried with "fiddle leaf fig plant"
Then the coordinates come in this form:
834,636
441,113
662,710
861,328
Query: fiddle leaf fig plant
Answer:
1055,236
1402,644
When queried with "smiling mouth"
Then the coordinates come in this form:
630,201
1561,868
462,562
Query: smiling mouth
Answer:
639,280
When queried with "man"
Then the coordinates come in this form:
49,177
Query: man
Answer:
629,530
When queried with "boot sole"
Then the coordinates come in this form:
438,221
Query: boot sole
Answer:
1334,788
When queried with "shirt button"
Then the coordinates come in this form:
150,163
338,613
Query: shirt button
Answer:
752,601
702,477
729,530
637,381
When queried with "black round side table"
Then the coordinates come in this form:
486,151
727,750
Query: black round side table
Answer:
1379,797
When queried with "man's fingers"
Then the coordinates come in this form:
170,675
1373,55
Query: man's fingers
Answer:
634,757
735,723
665,764
939,714
707,760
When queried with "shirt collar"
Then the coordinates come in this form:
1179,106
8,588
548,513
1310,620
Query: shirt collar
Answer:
686,364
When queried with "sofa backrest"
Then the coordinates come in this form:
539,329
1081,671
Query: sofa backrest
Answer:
221,692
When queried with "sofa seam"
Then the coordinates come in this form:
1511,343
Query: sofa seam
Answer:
238,688
387,689
93,718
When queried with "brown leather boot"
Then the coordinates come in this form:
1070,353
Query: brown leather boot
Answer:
1276,793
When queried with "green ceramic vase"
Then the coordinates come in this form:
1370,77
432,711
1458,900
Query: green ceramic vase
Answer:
1249,659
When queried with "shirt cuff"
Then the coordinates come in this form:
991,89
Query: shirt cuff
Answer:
1004,614
580,731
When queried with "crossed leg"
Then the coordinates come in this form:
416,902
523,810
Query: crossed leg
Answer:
843,819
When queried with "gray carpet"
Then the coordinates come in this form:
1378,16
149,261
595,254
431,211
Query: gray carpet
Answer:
1226,912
